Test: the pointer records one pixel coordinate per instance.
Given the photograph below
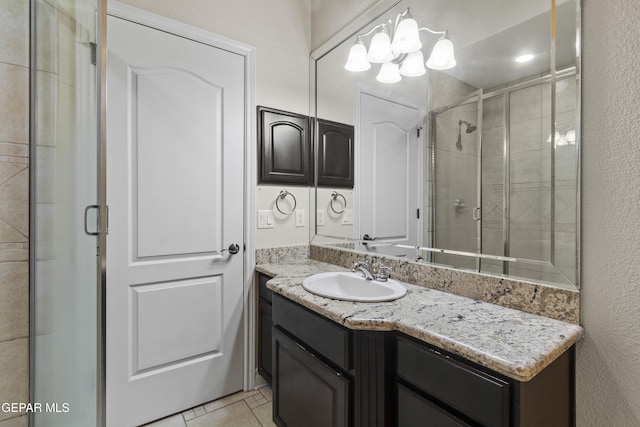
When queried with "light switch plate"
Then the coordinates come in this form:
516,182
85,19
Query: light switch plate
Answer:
300,220
347,217
266,219
320,218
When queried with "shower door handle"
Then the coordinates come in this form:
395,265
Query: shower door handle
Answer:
476,213
86,227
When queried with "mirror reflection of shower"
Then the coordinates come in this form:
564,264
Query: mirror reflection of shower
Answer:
470,128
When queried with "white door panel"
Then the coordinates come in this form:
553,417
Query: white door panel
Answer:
389,190
174,300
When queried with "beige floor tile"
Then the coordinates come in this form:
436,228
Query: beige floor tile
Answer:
228,400
264,413
234,415
21,421
172,421
189,415
267,393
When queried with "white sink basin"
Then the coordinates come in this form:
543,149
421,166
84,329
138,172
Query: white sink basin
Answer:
348,286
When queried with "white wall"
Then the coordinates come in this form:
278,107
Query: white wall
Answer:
608,365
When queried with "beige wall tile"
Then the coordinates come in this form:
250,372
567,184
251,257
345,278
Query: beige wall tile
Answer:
14,300
14,373
14,103
14,202
21,421
14,31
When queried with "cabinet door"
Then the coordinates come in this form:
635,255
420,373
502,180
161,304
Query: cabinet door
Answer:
284,147
307,392
264,339
335,154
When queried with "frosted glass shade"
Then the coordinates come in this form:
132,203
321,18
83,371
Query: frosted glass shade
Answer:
389,73
406,38
442,56
413,65
380,48
357,60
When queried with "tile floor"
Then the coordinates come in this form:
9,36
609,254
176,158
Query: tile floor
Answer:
242,409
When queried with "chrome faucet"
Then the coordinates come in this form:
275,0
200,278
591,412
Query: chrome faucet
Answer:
363,267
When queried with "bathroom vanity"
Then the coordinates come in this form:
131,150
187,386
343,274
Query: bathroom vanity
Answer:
430,358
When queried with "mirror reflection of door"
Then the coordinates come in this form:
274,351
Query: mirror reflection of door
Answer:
389,187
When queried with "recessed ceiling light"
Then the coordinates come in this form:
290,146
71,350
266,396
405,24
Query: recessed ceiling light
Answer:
525,58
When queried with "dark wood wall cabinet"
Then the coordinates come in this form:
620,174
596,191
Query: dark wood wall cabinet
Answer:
286,153
335,154
284,147
327,375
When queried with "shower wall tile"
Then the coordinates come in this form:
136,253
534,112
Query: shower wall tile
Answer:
14,197
14,40
526,104
526,136
492,141
14,103
21,421
14,371
14,299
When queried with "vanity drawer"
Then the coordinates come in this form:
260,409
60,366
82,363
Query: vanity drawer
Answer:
324,336
415,410
476,394
263,291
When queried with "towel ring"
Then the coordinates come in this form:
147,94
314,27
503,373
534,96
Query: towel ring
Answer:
334,196
282,195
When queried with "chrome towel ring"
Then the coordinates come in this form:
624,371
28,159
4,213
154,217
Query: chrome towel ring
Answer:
334,197
282,195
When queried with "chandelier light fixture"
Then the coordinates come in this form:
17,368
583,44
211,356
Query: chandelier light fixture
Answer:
398,49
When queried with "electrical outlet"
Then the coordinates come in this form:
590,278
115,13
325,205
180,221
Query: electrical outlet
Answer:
320,218
266,219
347,217
300,221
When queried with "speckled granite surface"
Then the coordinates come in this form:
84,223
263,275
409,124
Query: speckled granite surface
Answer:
512,342
548,301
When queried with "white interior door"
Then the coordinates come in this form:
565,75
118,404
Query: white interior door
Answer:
389,172
176,120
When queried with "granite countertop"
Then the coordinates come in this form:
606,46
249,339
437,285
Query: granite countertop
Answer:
511,342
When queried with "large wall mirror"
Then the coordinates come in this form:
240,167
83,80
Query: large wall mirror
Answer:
466,124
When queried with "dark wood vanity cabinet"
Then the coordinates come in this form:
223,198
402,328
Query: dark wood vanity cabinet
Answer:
264,328
284,148
442,388
335,154
327,375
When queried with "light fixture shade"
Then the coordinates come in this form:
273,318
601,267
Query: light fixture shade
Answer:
442,56
389,73
357,60
380,48
413,65
570,136
406,39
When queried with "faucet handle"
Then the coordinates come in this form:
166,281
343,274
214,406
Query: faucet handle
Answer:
383,272
357,264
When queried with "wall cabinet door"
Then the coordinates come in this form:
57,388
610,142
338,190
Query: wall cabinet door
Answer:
284,148
307,392
335,154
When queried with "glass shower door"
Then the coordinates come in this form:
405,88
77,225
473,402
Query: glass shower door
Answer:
65,275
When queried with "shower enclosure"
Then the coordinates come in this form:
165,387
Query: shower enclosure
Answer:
66,372
502,184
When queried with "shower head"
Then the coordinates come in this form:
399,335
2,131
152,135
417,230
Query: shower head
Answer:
470,127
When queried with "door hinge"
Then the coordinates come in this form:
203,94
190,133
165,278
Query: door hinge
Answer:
94,53
419,129
418,213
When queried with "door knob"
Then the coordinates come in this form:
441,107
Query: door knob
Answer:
234,248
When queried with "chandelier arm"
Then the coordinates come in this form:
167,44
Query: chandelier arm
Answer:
432,31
